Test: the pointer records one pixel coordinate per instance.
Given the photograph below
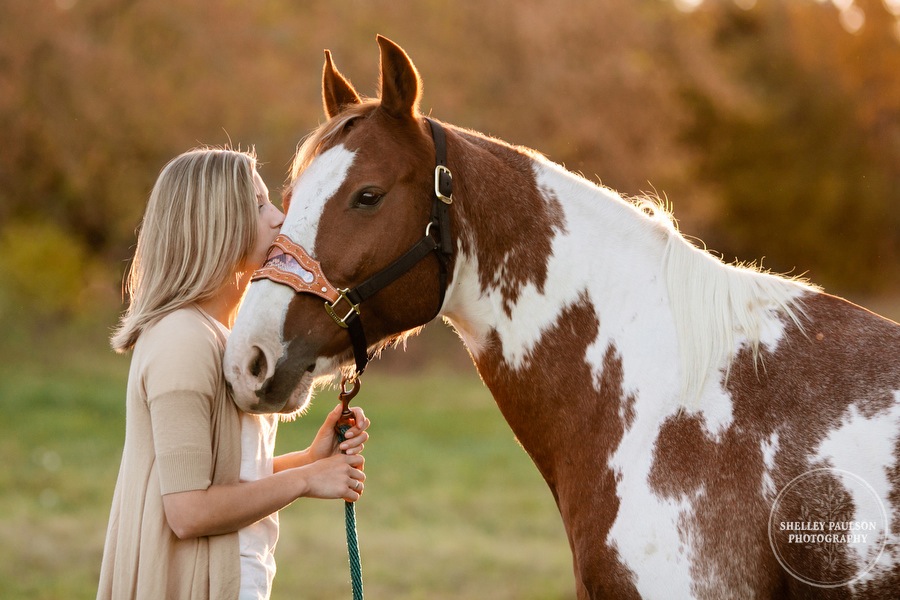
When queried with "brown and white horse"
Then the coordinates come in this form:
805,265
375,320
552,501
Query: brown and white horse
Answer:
708,431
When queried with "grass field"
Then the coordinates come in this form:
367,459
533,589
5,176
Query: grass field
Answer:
453,506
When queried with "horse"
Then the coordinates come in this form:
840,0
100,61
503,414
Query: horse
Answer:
707,430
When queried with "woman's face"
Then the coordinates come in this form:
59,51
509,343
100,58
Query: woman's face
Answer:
267,227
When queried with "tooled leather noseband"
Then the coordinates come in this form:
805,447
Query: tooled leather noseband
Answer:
290,264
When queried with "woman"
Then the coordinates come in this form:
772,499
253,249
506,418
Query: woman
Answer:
194,513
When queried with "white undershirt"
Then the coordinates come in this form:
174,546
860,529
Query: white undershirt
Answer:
257,541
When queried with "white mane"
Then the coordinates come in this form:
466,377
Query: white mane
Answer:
716,307
719,307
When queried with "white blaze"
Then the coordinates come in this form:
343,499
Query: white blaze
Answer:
311,192
260,322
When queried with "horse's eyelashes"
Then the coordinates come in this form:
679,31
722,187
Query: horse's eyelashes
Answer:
368,198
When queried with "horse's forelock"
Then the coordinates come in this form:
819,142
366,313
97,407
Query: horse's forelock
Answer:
325,134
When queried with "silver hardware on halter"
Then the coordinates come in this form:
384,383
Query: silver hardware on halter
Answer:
438,170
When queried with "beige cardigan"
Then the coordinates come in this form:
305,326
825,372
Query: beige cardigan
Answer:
182,432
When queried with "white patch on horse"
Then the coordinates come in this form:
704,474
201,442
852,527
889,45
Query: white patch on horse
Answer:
854,446
267,301
620,272
645,519
769,448
311,192
463,308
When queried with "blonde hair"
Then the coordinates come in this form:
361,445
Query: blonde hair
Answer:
199,227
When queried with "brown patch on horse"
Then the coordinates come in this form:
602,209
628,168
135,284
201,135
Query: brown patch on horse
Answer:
568,408
513,232
804,391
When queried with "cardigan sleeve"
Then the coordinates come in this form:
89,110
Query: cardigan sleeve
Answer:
182,374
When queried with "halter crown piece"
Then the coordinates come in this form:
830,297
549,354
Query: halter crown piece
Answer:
290,264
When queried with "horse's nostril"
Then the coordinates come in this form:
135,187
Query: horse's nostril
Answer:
258,363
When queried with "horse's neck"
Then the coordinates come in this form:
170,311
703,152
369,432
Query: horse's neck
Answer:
559,294
546,257
556,256
540,250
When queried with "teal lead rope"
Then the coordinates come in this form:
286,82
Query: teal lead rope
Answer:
343,424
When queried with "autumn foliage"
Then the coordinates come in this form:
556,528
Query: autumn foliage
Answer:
771,129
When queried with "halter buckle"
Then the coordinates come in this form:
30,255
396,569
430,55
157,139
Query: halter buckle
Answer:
441,171
330,306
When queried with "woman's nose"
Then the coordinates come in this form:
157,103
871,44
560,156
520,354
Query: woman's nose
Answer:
278,221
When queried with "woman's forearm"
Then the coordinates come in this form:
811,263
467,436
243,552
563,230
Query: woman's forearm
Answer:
292,460
226,508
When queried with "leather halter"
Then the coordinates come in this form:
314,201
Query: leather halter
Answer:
290,264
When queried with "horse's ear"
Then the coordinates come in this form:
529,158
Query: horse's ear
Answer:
400,84
337,92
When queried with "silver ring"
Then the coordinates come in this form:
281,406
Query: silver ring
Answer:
357,486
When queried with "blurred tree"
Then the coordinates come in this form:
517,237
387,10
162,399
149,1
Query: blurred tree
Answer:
45,270
99,94
792,125
806,167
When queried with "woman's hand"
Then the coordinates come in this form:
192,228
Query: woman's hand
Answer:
337,476
326,444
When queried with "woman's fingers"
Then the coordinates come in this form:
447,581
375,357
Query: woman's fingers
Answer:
356,436
354,445
355,485
360,422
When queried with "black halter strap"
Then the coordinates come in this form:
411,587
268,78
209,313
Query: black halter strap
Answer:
437,239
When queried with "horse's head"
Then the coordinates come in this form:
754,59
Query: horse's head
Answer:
360,196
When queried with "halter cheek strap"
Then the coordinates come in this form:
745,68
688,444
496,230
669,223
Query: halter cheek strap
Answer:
289,264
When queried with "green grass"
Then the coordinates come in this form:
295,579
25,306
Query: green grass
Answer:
453,506
61,433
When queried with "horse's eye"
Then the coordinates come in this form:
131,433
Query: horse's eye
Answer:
368,198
